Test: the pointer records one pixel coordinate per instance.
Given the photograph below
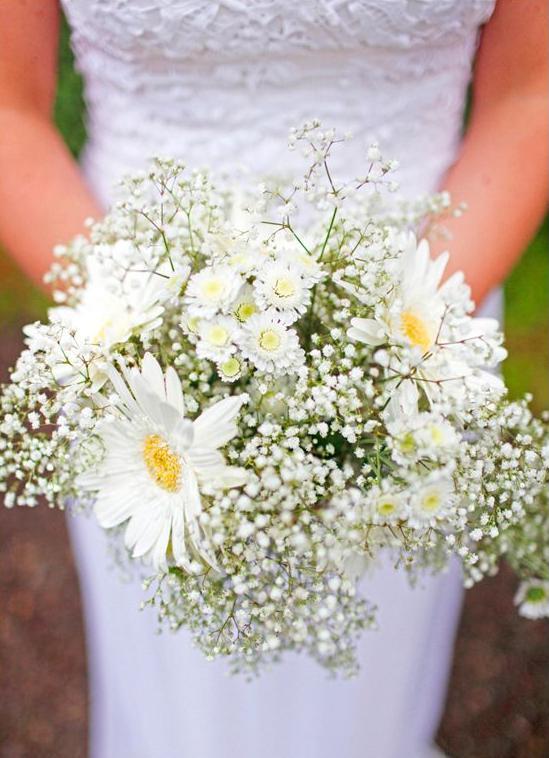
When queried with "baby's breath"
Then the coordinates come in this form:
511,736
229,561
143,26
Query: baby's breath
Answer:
370,416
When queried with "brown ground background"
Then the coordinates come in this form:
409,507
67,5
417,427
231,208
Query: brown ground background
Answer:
498,704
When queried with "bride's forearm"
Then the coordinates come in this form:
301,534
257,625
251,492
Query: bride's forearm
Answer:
501,173
43,198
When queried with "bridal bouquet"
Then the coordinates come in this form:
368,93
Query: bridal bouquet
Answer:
258,396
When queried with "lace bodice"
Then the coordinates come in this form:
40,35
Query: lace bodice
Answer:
220,82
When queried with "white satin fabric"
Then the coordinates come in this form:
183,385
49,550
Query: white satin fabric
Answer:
219,83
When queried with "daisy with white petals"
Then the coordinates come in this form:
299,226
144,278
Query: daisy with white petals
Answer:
432,500
282,287
217,337
387,507
156,462
270,345
430,345
110,311
532,599
414,313
308,265
212,290
230,369
244,305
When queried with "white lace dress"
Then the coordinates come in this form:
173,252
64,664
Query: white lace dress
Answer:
219,83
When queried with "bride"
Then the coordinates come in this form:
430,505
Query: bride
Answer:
219,83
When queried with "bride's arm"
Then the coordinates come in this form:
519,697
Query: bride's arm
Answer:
43,198
501,173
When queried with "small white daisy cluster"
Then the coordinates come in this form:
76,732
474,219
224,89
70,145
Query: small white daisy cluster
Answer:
240,307
257,393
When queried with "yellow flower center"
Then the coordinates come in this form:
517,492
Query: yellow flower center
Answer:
212,289
407,443
437,435
218,335
416,330
431,502
269,340
164,467
231,367
386,506
284,287
244,311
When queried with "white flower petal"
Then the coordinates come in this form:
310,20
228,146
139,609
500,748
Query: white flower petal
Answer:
137,523
183,433
216,425
122,390
151,372
149,403
366,330
113,508
179,546
231,476
151,528
205,458
191,494
436,270
174,394
159,550
171,419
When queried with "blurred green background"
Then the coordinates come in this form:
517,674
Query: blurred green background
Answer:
526,292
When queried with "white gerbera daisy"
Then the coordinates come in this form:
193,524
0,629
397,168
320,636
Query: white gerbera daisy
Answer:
281,286
414,314
447,349
270,345
109,311
532,599
212,290
217,338
156,461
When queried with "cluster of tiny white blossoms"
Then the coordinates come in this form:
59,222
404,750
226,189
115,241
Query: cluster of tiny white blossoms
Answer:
258,392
